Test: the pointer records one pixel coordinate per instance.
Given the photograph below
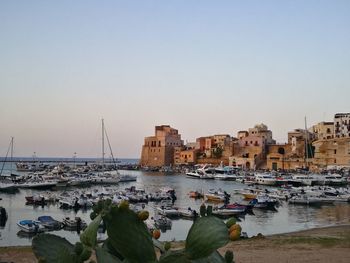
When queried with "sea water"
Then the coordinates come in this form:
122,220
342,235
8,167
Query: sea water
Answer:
287,218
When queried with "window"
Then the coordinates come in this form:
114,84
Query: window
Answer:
335,151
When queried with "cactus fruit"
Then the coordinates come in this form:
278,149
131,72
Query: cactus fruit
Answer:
235,232
143,215
231,222
124,205
235,227
229,256
156,234
235,235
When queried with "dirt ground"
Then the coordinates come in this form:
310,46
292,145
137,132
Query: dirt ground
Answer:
330,244
322,245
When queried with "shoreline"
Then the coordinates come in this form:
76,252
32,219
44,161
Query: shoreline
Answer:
321,244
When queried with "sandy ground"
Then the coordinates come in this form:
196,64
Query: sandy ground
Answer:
330,244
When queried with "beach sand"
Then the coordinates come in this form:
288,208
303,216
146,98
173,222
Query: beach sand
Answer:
329,244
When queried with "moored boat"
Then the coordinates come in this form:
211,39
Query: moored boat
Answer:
49,223
30,226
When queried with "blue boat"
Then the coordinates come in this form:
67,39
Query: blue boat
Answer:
30,226
50,223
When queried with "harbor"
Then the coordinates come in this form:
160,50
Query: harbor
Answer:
285,216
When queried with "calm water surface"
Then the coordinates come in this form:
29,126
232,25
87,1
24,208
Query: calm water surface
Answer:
288,218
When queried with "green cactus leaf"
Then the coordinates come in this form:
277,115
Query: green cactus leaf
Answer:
129,236
213,258
89,236
103,256
53,249
205,236
110,249
177,256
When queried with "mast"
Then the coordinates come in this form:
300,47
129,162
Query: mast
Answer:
103,147
306,144
11,155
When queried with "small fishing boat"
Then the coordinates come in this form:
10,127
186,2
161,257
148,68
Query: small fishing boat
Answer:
229,210
309,200
163,223
264,202
217,196
75,223
50,223
195,194
188,213
30,226
168,211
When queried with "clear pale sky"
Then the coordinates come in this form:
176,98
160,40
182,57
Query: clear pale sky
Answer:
204,67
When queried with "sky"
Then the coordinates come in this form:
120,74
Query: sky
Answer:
203,67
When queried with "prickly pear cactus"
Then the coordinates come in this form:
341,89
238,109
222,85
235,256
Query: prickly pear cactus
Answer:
207,234
129,235
129,240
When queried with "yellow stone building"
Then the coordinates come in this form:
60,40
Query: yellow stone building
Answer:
323,130
332,152
159,150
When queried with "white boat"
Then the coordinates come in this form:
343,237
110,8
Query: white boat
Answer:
302,180
127,178
265,179
188,213
34,184
30,226
104,178
74,223
334,180
202,173
309,200
7,186
168,211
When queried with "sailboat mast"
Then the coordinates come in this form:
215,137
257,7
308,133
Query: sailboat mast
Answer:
11,155
103,146
306,144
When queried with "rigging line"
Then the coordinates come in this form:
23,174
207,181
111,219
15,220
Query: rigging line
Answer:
110,148
3,164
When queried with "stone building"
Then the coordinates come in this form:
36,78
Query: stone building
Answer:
323,130
261,130
332,152
281,157
186,154
249,150
159,150
342,125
